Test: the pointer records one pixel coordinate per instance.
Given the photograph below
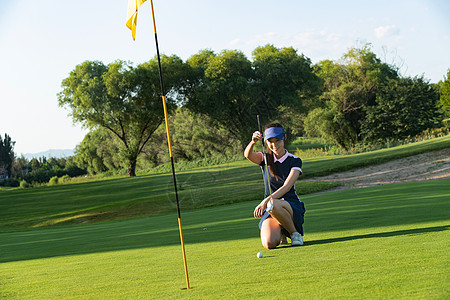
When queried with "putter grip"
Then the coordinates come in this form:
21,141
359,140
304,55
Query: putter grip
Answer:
262,133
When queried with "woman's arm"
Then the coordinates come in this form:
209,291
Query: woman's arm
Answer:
286,187
254,157
290,181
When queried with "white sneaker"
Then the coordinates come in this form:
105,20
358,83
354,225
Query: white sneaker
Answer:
296,239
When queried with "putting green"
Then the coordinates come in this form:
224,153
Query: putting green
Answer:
380,242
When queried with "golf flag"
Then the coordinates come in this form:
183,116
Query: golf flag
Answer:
133,6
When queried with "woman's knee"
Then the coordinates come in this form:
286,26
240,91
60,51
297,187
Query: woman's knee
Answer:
270,233
281,205
270,244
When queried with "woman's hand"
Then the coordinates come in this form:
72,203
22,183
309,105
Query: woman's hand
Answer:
254,157
259,210
256,136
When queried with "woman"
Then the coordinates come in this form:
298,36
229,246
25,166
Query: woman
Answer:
286,216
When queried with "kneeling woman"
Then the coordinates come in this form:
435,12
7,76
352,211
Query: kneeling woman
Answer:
287,215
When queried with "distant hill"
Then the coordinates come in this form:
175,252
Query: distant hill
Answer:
56,153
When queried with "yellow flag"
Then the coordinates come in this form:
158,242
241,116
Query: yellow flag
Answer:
133,6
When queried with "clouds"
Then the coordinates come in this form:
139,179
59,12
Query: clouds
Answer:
317,44
49,38
325,42
386,31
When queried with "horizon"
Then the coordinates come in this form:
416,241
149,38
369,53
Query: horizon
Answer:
58,153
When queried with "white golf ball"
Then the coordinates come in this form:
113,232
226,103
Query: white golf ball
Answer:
259,255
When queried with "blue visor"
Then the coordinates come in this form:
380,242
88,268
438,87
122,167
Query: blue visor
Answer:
276,132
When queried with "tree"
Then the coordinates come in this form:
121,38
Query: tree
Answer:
231,90
283,78
223,91
35,164
445,94
195,136
123,99
404,107
348,86
20,166
7,153
98,152
285,86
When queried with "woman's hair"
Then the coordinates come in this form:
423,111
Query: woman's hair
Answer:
270,161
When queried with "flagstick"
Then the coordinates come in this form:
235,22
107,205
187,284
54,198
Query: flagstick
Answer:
170,148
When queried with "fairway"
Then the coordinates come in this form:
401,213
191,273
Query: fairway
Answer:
102,199
381,242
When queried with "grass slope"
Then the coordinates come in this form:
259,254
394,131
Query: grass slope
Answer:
377,243
130,197
324,165
120,198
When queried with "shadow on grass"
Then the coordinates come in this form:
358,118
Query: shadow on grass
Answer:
378,235
205,225
414,231
362,209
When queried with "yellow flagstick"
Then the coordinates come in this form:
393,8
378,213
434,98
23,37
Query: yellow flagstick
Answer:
170,148
133,6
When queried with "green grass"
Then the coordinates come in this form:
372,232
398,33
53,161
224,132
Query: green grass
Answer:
305,143
123,197
384,242
130,197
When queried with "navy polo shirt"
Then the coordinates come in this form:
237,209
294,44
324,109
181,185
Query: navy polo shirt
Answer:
284,166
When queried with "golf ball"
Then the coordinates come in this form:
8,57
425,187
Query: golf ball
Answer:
259,255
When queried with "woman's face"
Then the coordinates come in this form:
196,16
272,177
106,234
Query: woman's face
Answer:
276,146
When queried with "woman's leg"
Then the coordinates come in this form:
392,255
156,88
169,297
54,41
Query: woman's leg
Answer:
270,233
283,214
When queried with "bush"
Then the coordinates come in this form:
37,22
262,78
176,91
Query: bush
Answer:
53,180
64,179
24,184
446,123
43,176
11,182
39,176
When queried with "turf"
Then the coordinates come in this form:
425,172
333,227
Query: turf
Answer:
130,197
375,243
121,198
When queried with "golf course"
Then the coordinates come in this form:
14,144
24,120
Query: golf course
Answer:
118,238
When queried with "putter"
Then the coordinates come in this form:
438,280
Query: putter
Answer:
270,204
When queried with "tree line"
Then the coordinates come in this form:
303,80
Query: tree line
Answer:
213,99
227,88
36,170
357,99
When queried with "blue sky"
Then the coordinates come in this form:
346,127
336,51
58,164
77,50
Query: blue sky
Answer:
42,41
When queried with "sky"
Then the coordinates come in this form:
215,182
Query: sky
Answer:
41,42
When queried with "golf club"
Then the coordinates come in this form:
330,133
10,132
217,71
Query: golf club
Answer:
270,204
